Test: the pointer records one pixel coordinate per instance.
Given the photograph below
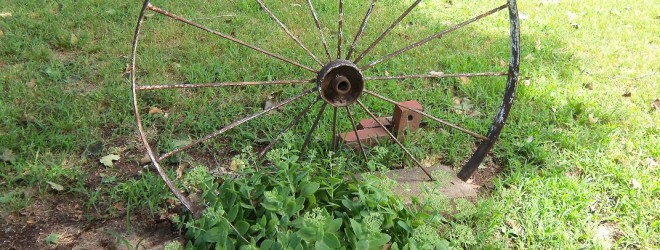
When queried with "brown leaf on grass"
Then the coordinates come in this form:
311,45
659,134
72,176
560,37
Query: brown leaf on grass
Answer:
2,33
651,163
465,79
8,156
31,84
503,63
592,119
108,160
627,93
145,160
155,110
537,45
55,186
634,183
5,14
655,105
180,169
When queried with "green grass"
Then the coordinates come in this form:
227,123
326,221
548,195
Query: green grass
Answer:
566,176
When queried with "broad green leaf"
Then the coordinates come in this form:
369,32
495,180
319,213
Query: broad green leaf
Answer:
308,234
380,239
363,244
405,226
321,246
357,227
331,240
333,226
309,189
231,215
267,244
218,233
242,227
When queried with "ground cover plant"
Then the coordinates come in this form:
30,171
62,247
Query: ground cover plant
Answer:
577,162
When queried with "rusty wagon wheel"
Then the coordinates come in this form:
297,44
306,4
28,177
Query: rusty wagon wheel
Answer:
338,81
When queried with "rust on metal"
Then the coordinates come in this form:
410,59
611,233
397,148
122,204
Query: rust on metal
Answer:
308,139
437,35
225,36
340,83
363,26
286,30
288,127
340,28
439,75
318,27
387,31
221,84
235,124
395,140
451,125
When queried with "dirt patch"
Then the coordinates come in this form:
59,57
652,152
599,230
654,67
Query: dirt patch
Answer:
64,219
483,177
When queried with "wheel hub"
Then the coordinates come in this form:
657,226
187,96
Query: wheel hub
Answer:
340,83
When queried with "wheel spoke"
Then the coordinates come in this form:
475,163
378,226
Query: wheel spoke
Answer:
311,130
235,124
288,127
334,129
441,75
437,35
395,140
230,38
318,26
220,84
357,135
387,31
428,116
272,16
341,27
361,30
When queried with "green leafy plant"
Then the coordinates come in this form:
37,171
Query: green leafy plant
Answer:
300,205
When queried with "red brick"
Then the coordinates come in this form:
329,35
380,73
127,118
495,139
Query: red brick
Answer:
370,123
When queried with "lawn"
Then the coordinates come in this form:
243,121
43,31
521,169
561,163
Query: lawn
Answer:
577,161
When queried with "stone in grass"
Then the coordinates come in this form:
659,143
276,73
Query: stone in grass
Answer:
411,180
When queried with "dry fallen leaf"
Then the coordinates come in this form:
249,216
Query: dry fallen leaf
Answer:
627,93
108,159
592,119
503,63
236,164
55,186
31,84
465,79
651,163
7,156
145,160
5,14
1,33
179,170
155,110
655,105
537,45
635,184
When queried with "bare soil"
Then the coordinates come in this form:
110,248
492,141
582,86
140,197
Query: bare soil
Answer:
64,216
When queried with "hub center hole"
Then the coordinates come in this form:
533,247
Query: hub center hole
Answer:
342,84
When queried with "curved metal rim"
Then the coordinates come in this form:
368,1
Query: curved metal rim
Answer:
466,171
138,119
507,101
